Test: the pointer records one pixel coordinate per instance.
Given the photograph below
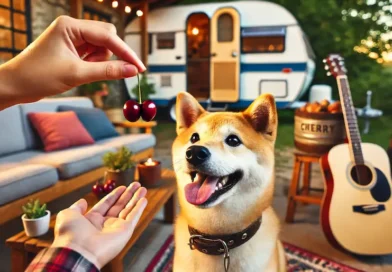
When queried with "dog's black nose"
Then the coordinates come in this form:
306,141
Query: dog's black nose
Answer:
197,154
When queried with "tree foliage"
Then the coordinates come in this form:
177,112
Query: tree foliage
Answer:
339,26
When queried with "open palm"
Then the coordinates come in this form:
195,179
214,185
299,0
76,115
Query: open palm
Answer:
102,232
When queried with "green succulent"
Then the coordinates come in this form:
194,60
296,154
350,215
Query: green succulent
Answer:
33,209
120,160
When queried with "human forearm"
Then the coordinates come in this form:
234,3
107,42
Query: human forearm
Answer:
9,93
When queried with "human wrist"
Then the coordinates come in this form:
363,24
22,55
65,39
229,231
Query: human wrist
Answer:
8,86
64,243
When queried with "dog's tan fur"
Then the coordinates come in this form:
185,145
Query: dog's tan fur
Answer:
250,198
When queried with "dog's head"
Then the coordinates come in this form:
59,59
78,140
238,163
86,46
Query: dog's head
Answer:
224,159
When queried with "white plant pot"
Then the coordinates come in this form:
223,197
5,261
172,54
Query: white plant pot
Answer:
38,226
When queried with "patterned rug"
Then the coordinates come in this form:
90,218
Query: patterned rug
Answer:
298,260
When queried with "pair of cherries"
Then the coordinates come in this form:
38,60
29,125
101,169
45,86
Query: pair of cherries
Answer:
133,110
100,189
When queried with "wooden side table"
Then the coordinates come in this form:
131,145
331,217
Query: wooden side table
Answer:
297,194
127,125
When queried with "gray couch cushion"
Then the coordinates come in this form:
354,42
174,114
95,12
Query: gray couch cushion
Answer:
20,157
74,161
135,142
19,180
11,131
46,105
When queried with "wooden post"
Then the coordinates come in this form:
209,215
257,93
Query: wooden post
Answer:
170,210
144,32
76,9
122,21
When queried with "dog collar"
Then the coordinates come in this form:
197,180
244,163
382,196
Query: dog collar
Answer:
221,244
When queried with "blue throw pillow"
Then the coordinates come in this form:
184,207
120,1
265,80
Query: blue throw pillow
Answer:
94,120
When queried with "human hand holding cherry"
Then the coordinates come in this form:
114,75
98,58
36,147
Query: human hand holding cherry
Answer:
133,110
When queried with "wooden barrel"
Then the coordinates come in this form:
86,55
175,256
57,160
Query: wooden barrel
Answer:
318,132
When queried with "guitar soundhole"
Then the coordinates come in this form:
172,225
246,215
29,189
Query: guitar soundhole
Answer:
361,174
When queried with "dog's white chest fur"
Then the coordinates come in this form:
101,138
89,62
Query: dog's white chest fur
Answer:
260,253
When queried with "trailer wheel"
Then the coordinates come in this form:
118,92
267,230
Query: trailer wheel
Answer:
172,110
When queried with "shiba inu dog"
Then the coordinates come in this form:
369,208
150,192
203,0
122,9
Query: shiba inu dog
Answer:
224,164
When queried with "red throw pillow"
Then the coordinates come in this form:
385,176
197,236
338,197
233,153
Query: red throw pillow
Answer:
60,130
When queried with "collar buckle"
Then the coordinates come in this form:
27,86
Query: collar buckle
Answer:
226,256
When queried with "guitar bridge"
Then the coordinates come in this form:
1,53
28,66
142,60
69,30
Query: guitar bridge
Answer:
369,209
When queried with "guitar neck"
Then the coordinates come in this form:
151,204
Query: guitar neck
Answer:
350,119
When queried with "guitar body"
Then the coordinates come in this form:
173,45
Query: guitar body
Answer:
357,218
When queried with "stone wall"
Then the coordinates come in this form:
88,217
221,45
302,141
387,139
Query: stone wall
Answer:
44,12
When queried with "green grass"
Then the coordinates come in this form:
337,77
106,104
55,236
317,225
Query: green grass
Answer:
380,130
285,129
165,130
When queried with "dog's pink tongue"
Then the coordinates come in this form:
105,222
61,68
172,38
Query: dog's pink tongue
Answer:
199,191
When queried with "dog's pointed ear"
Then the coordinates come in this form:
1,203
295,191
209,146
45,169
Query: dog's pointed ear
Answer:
187,111
263,116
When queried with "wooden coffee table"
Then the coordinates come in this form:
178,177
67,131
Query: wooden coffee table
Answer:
24,249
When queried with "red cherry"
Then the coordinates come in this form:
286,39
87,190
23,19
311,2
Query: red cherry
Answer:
112,182
149,110
98,189
107,188
132,110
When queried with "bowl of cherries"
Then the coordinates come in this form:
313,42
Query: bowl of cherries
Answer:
101,189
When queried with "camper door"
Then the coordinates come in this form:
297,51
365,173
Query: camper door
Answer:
225,55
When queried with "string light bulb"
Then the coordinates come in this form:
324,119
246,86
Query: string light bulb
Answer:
100,1
139,13
128,9
115,4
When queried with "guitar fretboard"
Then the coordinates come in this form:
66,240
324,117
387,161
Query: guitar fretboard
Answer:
350,119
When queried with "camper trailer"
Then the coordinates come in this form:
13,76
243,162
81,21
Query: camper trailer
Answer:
225,54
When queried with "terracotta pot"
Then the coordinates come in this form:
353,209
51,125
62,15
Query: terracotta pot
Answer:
36,227
121,177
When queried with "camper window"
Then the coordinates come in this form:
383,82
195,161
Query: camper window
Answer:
166,40
166,81
263,39
225,28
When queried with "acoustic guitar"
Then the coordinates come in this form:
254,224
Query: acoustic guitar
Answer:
356,212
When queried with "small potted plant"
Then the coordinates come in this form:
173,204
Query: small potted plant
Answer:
121,167
36,218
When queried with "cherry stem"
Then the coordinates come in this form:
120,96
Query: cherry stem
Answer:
140,93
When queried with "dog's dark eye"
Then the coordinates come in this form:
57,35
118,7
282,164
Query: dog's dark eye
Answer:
233,140
195,138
